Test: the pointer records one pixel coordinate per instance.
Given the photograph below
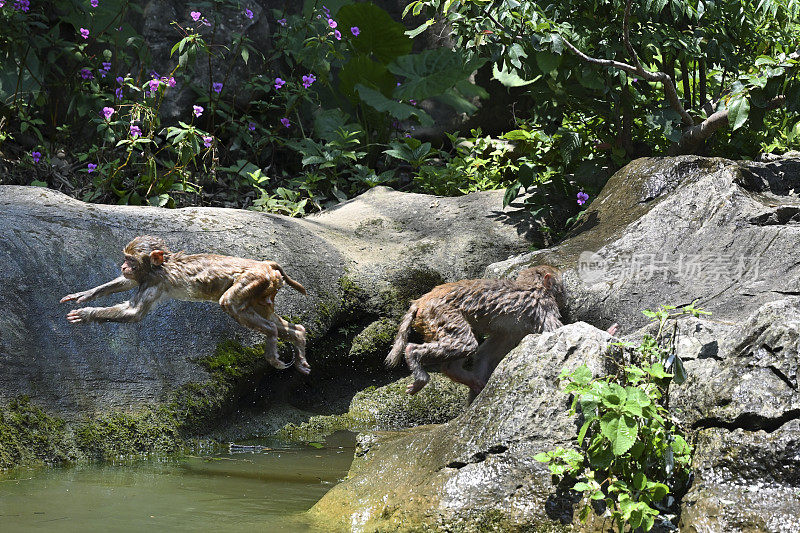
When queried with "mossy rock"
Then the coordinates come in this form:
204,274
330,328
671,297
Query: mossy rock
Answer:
387,408
374,341
29,435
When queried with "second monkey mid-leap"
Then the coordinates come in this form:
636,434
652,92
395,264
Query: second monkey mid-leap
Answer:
452,318
244,288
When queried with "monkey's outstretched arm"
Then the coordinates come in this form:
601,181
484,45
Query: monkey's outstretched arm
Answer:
131,311
116,285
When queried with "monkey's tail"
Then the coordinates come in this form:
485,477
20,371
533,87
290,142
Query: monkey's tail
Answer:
294,284
398,350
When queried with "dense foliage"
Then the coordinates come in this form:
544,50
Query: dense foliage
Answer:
637,78
320,117
632,456
330,102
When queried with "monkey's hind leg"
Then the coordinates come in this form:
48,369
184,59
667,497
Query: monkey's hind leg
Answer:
455,340
296,334
242,300
455,370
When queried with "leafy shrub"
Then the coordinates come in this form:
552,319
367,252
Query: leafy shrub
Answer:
632,455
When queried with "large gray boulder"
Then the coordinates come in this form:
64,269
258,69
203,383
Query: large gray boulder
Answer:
674,230
359,261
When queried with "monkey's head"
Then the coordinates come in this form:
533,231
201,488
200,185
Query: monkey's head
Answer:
142,255
547,277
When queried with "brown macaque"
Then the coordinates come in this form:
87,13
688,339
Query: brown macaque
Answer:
452,318
244,288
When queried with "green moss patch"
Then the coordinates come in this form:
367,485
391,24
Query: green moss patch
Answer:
387,408
30,436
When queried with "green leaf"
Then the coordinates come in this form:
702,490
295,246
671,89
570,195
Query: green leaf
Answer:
379,35
421,28
738,110
582,375
584,429
542,457
547,61
639,480
398,110
621,431
362,69
245,55
511,193
432,72
510,78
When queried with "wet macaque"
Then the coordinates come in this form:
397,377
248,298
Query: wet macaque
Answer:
244,288
452,318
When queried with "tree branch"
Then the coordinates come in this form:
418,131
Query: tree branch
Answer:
661,77
697,134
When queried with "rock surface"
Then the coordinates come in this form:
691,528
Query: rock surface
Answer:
674,230
666,231
479,466
376,249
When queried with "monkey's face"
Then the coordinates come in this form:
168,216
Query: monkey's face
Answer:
135,267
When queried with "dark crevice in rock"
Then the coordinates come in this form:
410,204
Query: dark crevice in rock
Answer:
749,422
479,457
787,293
779,216
783,377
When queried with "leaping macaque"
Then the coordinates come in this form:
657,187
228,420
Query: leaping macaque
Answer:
453,316
244,288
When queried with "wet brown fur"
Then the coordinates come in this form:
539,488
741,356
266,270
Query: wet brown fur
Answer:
452,318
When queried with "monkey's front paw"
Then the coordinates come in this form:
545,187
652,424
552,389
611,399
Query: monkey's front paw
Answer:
303,367
77,315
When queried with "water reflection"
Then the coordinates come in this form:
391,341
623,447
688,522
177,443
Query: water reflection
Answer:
257,487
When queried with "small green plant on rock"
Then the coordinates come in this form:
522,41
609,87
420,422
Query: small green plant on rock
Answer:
633,457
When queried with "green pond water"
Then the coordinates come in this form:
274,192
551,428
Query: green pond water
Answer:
243,489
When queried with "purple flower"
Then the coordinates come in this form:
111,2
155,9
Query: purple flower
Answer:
86,74
107,112
207,141
248,14
135,131
106,65
326,11
22,5
582,197
197,110
118,93
216,87
282,22
332,23
285,122
279,83
355,31
120,80
36,156
84,33
94,3
195,15
171,82
2,3
337,34
91,167
153,84
153,74
251,126
412,102
308,80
